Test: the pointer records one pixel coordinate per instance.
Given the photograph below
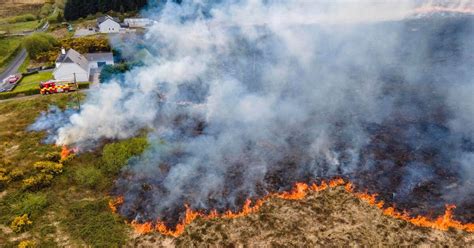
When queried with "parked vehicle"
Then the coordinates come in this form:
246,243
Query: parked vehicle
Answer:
52,87
13,79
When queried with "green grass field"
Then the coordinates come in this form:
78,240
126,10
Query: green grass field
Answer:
72,209
32,81
19,27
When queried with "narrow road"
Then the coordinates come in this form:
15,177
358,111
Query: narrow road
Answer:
13,67
17,61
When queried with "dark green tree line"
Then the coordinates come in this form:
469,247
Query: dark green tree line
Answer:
76,9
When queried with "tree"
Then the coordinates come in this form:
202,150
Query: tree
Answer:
38,43
76,9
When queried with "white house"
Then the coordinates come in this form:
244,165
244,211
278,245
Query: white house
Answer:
137,22
72,63
108,24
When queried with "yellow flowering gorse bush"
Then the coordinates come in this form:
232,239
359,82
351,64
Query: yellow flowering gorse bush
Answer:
20,223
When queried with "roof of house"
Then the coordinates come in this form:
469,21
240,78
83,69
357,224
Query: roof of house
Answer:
100,57
72,56
102,19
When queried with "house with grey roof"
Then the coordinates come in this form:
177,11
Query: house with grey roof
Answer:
72,64
108,24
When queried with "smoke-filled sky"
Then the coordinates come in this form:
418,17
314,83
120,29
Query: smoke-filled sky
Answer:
241,98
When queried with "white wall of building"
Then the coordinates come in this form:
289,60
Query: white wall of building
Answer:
109,26
94,65
66,72
138,22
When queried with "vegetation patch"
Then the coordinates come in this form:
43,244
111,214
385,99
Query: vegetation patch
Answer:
31,82
20,223
89,44
89,176
19,27
19,18
116,155
95,224
38,43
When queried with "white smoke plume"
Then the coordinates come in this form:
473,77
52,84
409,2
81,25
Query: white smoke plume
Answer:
252,96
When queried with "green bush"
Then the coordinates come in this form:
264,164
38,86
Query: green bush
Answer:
45,10
84,85
94,223
32,204
29,92
56,18
37,182
22,18
88,176
116,155
38,43
48,167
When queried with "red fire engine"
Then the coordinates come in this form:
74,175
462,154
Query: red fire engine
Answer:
51,87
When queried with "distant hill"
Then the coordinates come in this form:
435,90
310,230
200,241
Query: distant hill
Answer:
17,7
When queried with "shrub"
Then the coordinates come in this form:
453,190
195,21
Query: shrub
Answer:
116,155
20,223
56,18
94,223
49,167
27,244
46,9
32,204
38,43
29,92
16,174
4,178
53,156
88,176
37,182
22,18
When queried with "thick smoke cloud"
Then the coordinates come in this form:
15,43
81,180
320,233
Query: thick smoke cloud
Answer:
243,98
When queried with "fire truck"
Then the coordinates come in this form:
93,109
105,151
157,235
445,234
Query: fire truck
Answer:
51,87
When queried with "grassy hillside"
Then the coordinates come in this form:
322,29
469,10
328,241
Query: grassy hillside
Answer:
71,207
18,7
71,210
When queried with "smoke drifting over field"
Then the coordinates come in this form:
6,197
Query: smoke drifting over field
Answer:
248,97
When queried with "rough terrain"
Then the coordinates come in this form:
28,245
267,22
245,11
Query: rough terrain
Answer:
331,218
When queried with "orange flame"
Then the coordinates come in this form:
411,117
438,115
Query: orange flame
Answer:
113,204
65,152
143,228
299,191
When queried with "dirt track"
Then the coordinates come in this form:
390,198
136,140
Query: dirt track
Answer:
329,218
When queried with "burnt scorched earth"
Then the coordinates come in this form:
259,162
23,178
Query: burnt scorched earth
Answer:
413,159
